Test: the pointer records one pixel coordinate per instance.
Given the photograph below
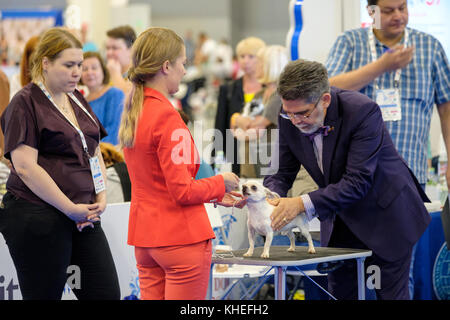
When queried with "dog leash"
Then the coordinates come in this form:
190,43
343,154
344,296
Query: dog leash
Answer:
224,255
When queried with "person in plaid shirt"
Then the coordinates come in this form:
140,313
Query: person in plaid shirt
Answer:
424,78
403,61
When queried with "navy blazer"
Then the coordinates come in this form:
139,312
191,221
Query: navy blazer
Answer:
365,181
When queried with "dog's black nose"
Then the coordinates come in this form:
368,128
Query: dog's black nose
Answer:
244,189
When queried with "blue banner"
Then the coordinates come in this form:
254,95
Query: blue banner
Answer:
293,38
36,14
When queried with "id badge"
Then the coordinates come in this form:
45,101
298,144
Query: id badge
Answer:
97,177
389,102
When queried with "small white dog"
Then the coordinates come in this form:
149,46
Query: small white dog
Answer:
259,222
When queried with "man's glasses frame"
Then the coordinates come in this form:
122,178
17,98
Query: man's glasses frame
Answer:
299,115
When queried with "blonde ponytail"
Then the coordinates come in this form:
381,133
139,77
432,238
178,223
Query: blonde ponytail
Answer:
130,116
150,50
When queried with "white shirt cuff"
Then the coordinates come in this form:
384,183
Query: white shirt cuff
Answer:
310,211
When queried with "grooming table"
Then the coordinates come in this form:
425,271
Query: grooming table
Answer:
280,259
237,273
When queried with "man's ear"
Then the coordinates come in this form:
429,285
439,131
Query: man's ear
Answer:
326,100
271,194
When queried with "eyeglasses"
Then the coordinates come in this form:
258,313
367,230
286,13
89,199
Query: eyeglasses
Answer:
299,115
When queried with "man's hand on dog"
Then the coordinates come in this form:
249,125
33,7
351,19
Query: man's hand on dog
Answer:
286,209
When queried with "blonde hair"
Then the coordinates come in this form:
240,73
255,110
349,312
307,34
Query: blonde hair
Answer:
51,44
151,49
250,45
274,59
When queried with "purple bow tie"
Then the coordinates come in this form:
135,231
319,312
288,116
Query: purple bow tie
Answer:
324,130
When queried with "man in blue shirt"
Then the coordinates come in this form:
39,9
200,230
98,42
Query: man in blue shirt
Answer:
406,61
406,72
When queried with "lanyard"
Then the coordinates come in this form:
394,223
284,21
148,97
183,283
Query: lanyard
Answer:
374,55
72,96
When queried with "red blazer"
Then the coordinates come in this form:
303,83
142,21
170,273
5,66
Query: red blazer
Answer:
166,202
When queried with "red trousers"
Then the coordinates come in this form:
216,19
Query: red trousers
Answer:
174,272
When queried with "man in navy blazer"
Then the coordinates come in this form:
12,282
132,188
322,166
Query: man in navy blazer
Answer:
368,198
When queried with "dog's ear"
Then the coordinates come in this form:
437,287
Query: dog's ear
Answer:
271,194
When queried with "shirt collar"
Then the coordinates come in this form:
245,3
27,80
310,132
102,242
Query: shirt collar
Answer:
150,92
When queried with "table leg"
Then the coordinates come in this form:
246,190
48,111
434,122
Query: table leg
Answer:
361,278
280,283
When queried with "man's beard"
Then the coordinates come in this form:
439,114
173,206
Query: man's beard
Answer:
308,128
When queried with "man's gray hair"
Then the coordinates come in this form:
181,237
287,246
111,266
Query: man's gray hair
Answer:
303,79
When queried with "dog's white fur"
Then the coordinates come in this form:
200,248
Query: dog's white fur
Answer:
259,222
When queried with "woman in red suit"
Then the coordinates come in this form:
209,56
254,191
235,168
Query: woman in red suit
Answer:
168,224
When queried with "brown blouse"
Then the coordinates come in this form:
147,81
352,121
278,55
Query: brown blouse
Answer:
31,119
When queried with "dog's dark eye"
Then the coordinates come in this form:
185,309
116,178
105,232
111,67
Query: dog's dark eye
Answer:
254,188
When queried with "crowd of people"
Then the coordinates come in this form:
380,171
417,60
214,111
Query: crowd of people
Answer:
352,124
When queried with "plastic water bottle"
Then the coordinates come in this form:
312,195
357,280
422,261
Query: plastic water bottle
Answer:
219,161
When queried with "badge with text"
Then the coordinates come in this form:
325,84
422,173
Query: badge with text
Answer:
97,177
389,102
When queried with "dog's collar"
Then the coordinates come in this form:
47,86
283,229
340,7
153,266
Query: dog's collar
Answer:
255,201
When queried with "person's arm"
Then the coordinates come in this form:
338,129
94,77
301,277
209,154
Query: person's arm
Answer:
260,122
116,77
359,78
342,57
365,145
393,59
24,160
100,198
444,115
441,84
239,121
176,151
272,108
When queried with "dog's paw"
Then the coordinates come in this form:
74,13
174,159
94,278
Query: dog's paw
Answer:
248,254
311,250
265,255
291,249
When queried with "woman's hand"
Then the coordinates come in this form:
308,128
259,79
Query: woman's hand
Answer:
231,181
95,216
243,122
80,212
89,223
229,200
